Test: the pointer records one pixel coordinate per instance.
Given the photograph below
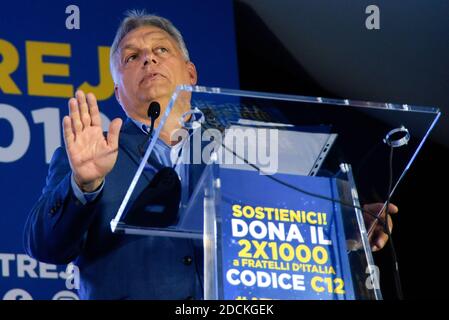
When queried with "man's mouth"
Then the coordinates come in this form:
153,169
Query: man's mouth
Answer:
152,76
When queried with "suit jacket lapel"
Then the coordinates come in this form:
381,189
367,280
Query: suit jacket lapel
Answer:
132,141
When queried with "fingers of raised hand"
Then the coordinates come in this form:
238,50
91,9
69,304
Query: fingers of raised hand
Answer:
83,111
83,108
113,133
69,136
74,114
93,109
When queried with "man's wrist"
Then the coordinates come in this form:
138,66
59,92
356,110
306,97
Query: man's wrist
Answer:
90,186
82,196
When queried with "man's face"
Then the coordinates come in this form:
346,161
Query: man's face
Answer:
149,66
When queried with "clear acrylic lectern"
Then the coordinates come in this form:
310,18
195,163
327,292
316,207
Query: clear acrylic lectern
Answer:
275,186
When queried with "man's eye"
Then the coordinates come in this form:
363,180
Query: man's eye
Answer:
161,50
130,58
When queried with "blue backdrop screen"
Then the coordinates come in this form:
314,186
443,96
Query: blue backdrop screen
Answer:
49,49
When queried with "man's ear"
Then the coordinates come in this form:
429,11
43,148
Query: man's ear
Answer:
193,76
117,95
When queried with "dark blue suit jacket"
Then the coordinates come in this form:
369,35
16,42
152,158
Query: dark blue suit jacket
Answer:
60,229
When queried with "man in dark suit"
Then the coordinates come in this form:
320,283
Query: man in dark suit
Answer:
87,180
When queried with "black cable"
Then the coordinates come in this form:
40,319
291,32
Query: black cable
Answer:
365,158
397,279
386,228
376,216
316,195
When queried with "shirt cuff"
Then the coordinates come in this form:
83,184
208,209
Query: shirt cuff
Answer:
84,197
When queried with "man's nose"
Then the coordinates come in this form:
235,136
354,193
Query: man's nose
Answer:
149,60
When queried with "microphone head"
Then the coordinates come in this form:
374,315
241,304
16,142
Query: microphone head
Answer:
154,110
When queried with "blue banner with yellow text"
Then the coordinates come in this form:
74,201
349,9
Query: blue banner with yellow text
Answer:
287,245
48,50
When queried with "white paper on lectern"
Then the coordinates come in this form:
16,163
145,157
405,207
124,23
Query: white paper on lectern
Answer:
299,151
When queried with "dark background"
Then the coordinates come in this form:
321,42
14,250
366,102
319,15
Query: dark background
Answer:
420,227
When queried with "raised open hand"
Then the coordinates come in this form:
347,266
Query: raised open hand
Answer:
92,155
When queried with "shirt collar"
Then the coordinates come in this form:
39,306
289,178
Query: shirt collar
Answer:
197,116
142,126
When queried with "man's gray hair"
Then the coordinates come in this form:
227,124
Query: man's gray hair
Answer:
136,19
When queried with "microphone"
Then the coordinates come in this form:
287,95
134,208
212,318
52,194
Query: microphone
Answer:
154,110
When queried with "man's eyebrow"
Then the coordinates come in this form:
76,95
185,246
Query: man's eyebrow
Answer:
131,46
128,46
